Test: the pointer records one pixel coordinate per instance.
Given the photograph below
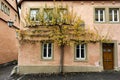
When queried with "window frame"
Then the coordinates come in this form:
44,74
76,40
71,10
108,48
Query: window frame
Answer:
118,15
35,20
2,6
42,51
85,53
104,14
45,11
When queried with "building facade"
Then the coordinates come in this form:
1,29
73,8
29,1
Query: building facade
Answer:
8,41
104,15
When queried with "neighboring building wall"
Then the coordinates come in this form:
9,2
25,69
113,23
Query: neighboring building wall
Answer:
8,41
30,54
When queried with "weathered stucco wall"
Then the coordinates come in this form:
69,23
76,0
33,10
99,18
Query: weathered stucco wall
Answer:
8,43
30,54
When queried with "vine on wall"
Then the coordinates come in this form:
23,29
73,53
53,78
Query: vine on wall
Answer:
58,24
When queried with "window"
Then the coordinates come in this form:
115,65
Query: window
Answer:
114,15
63,12
47,50
100,15
15,17
2,6
5,9
48,14
80,53
8,11
33,14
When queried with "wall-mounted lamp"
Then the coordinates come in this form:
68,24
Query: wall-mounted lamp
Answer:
11,24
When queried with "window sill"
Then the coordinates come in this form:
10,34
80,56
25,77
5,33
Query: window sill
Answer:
80,60
47,59
99,22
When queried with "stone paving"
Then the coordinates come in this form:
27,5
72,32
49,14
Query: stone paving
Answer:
108,75
74,76
5,72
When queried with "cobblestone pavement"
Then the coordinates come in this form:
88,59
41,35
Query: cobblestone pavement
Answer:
109,75
5,72
74,76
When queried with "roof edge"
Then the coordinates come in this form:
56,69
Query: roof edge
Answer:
20,2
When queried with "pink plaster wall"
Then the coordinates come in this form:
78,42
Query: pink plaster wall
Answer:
8,43
86,11
10,17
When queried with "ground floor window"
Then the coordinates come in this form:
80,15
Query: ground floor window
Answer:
47,50
80,52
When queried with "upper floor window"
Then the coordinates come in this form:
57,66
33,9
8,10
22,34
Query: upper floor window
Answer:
100,15
47,50
62,13
15,17
80,53
114,15
5,8
33,14
2,6
48,14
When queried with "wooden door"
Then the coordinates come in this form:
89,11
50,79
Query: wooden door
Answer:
108,57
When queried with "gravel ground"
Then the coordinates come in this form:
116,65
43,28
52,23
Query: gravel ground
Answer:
73,76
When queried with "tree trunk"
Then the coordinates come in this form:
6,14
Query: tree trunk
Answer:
61,58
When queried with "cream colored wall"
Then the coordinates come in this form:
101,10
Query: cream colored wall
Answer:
86,11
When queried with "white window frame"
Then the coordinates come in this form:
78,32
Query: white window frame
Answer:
47,50
113,15
33,15
80,58
99,14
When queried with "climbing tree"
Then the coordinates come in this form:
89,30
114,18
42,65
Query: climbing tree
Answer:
60,25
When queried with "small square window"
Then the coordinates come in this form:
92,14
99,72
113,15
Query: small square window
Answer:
2,6
100,15
80,53
62,13
47,50
48,14
114,15
33,14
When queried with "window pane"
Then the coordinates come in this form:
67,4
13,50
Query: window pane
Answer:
33,14
77,53
82,53
45,50
49,49
115,15
99,14
110,15
96,15
49,52
82,46
48,14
